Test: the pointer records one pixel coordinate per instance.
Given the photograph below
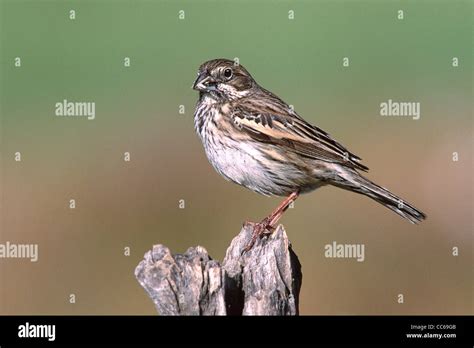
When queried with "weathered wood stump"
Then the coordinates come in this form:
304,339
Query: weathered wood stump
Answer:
263,281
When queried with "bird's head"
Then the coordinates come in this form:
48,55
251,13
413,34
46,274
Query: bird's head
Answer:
223,80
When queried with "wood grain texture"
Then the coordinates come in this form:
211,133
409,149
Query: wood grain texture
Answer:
264,281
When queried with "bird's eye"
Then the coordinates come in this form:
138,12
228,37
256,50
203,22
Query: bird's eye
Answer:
228,73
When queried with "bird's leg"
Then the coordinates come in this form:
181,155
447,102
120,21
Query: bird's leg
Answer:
269,222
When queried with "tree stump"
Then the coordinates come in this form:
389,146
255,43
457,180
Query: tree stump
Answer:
263,281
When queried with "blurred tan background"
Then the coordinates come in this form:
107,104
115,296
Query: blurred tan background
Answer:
135,204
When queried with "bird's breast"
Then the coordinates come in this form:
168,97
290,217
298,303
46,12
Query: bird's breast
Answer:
258,166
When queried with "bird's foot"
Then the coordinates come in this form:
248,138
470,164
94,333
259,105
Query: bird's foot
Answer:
260,229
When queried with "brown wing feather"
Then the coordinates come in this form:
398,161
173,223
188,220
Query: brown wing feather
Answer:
275,122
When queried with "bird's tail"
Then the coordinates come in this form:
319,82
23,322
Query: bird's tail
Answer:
355,182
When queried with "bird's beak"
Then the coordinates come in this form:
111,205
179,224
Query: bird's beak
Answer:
204,82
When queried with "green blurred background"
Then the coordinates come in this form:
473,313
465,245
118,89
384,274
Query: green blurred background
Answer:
135,204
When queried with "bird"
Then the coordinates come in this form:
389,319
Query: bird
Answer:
255,139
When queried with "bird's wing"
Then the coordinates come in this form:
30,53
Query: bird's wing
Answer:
274,122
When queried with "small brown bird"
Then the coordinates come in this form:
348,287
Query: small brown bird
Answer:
253,138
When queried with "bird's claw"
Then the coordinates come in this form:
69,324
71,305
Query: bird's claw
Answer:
259,229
